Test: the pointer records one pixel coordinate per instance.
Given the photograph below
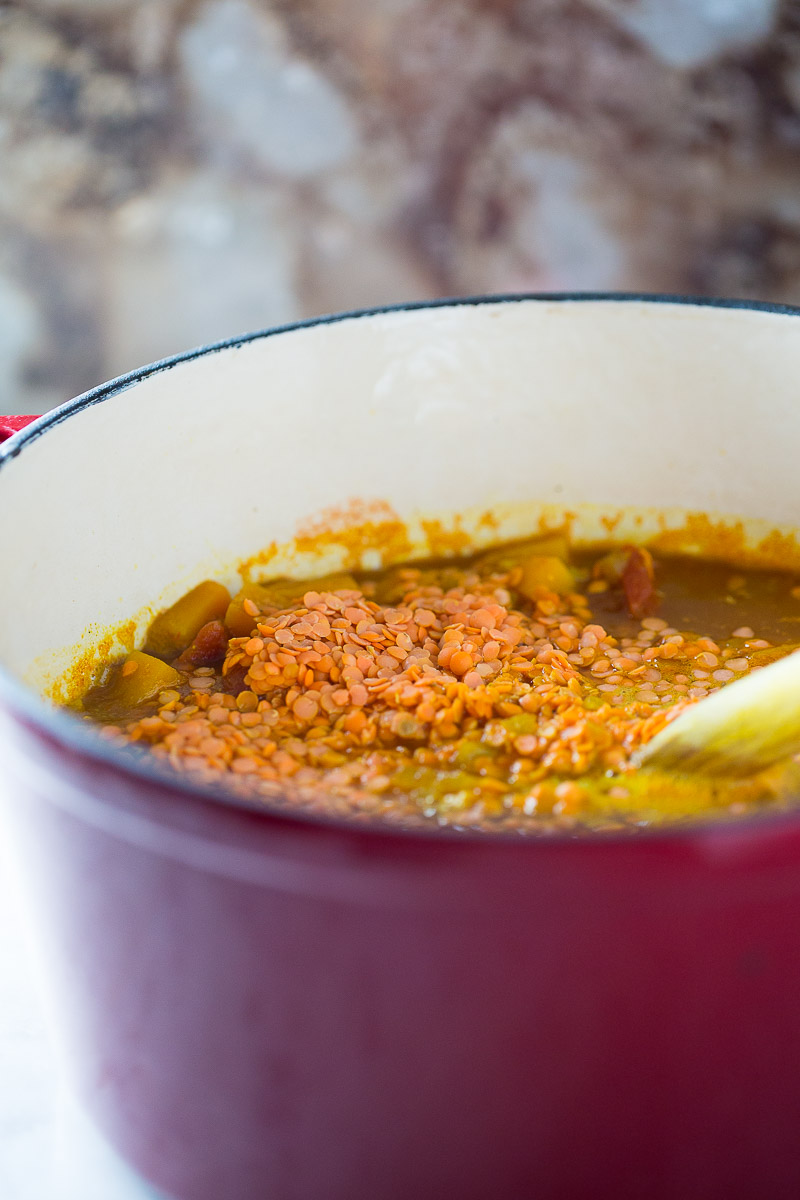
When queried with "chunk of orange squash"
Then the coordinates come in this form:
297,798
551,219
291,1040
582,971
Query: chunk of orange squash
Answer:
136,679
280,593
177,626
545,573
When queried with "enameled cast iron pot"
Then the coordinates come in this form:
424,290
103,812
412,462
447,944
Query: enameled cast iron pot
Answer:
255,1006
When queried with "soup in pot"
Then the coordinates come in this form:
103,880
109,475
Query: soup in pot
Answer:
507,691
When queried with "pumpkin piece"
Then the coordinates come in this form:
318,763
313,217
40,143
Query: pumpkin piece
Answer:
279,593
177,626
513,554
135,680
545,573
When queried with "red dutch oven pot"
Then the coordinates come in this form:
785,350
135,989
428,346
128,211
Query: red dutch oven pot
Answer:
255,1004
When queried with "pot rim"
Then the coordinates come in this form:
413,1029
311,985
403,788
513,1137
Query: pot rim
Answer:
57,724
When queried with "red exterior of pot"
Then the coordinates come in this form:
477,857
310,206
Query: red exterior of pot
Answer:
262,1007
11,425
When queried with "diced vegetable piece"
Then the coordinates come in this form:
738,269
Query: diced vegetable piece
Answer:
638,583
426,784
208,647
137,679
459,781
520,723
466,751
545,573
611,566
631,567
175,628
514,554
238,621
415,780
280,593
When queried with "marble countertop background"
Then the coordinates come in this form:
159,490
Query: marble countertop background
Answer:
177,171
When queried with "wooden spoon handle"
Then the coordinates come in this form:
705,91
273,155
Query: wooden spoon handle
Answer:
742,729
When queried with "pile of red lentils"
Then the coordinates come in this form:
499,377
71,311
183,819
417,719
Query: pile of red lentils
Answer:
452,704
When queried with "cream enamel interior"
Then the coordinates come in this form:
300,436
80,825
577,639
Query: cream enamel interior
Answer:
526,407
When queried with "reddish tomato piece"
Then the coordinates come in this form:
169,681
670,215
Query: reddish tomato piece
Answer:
209,647
638,583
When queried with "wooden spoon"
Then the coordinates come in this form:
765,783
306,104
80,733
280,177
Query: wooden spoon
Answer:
744,728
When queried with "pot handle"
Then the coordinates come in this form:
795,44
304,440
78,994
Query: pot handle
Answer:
11,425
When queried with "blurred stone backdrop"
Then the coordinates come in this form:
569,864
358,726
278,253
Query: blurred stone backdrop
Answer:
174,171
